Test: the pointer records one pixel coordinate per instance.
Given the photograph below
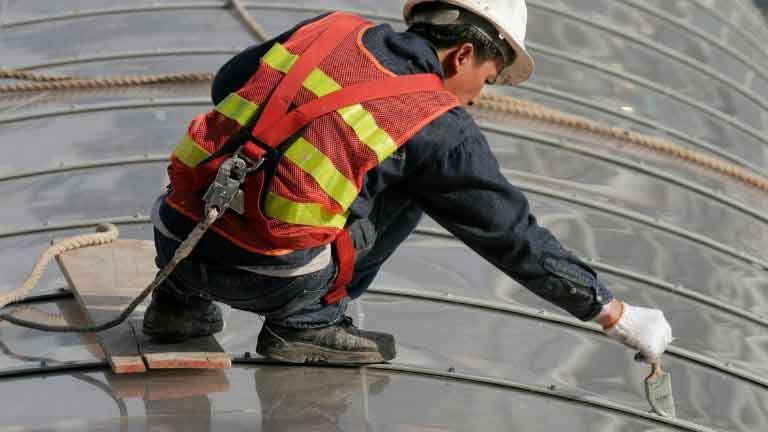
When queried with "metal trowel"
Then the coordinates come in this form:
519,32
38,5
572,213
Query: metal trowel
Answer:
658,390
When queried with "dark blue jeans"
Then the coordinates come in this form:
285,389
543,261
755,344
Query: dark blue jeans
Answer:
294,301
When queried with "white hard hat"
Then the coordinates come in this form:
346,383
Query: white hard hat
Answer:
509,17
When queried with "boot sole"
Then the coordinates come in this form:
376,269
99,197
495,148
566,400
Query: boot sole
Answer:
297,352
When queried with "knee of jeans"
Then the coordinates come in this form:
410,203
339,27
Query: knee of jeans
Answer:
316,285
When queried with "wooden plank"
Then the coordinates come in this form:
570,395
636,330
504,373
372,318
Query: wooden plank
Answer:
197,353
105,280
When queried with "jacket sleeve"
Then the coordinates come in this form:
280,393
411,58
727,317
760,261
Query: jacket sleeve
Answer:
240,68
465,192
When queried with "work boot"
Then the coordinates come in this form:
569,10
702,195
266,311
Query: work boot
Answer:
170,320
341,343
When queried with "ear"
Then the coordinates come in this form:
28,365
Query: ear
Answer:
457,59
464,54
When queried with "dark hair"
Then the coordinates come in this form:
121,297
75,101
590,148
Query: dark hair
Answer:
475,32
451,35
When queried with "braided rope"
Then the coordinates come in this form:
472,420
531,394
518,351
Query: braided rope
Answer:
30,76
250,23
531,111
71,83
107,233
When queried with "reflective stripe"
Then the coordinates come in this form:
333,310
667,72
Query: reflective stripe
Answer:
368,131
302,214
280,58
320,84
357,117
190,153
316,164
237,108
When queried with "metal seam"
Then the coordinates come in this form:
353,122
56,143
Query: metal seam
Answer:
723,19
679,290
537,139
701,67
86,223
168,52
627,163
542,315
640,218
148,158
680,135
87,13
652,11
534,88
541,391
78,109
638,277
414,370
659,89
65,367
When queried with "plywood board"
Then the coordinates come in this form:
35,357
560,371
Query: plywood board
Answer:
105,280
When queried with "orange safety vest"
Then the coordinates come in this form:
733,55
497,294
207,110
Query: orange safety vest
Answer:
324,108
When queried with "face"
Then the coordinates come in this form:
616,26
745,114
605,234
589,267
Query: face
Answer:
466,75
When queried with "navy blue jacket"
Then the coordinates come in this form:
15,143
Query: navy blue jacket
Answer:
456,180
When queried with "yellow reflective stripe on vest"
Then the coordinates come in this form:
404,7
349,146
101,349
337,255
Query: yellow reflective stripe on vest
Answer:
368,131
280,58
317,165
357,117
190,153
237,108
302,214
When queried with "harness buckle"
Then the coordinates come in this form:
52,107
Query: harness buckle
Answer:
225,190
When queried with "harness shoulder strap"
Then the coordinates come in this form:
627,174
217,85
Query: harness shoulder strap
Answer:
366,91
280,100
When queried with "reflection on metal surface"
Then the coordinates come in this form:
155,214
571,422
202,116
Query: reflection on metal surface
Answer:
567,321
666,52
672,132
660,88
129,55
627,163
113,11
636,217
77,109
695,33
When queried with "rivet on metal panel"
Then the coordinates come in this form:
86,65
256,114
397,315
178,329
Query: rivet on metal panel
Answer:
552,387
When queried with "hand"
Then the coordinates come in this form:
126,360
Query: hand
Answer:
643,329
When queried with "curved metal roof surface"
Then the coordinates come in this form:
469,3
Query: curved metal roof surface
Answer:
476,351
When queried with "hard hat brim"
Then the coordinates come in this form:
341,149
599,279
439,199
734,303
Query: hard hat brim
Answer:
517,72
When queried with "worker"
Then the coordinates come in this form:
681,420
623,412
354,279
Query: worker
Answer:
334,187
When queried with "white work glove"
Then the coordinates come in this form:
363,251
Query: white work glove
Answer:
642,329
